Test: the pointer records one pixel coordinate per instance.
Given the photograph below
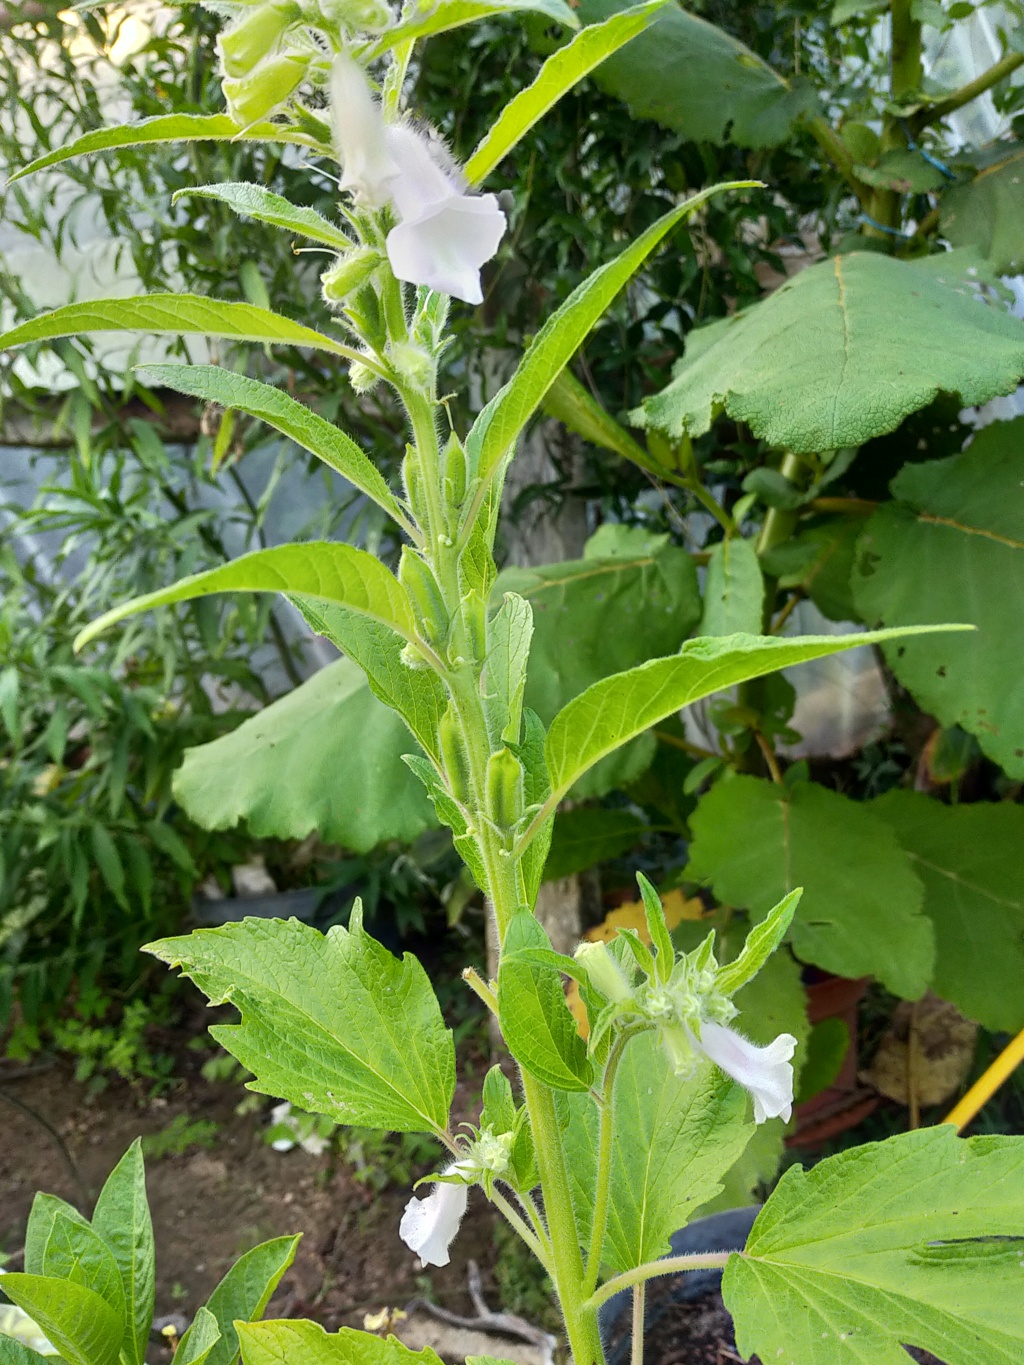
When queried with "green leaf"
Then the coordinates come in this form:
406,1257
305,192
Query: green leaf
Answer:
242,1296
198,1343
168,128
843,352
988,211
761,943
332,1022
450,813
122,1219
509,631
733,589
289,1342
954,542
737,96
256,201
171,315
818,559
588,835
324,570
536,1023
108,860
293,419
579,411
46,1209
916,1240
495,430
616,709
971,862
326,757
674,1141
13,1352
664,953
445,15
75,1252
861,910
83,1327
559,74
499,1106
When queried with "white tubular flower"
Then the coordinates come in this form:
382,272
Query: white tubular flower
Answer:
360,135
765,1072
429,1225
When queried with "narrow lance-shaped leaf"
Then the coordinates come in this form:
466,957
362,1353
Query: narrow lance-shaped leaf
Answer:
171,315
256,201
197,1344
169,128
319,569
241,1296
562,70
445,15
122,1219
761,942
614,710
293,419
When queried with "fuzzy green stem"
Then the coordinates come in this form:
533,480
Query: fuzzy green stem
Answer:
636,1354
529,1237
671,1265
934,113
602,1188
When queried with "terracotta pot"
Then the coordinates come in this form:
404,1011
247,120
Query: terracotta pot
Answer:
845,1102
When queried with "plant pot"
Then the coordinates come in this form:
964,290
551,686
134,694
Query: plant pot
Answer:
845,1102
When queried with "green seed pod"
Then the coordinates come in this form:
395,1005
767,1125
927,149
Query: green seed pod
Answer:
454,757
349,273
421,585
266,88
246,43
504,789
454,476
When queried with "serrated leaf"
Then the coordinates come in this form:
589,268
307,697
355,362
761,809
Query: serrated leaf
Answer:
888,1244
861,910
197,1345
444,15
587,835
242,1296
971,862
325,757
332,1023
955,531
214,384
82,1326
256,201
323,570
287,1341
738,98
674,1141
616,709
562,70
168,128
733,589
535,1020
843,352
122,1219
988,211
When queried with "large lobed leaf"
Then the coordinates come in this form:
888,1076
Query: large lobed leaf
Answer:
843,353
332,1022
951,547
916,1240
988,211
326,757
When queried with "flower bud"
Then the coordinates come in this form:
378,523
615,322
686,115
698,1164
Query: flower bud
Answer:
362,379
349,273
412,363
603,972
256,36
253,97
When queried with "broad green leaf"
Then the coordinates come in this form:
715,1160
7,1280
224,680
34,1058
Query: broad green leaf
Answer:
495,430
326,757
168,128
971,862
843,352
536,1023
818,559
243,1295
13,1352
324,570
916,1240
733,590
588,835
988,211
953,541
674,1141
331,1022
198,1343
75,1252
509,631
445,15
171,315
293,419
861,910
83,1327
618,708
291,1342
256,201
122,1219
46,1209
562,70
699,81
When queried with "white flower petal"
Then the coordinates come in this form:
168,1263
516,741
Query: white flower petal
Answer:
368,168
420,182
766,1072
447,244
429,1225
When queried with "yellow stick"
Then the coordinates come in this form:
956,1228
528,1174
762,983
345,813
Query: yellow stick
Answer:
983,1089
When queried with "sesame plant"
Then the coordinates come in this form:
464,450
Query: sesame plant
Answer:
603,1146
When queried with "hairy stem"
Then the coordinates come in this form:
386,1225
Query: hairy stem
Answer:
934,113
671,1265
602,1186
